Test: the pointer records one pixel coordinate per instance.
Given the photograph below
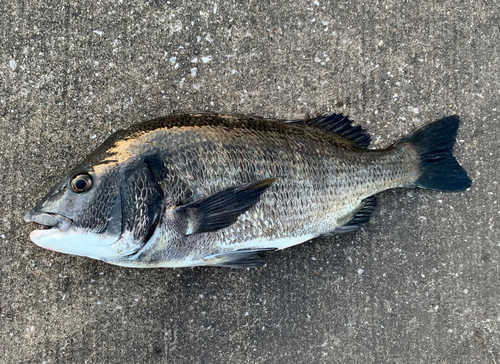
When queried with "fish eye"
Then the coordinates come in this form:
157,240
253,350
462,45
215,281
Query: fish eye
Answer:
81,183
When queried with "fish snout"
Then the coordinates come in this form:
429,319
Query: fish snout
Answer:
48,219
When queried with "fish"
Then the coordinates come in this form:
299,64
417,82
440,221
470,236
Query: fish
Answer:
209,189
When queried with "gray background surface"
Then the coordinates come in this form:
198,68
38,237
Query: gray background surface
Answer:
419,284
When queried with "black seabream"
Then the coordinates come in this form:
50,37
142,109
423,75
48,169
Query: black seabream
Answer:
221,189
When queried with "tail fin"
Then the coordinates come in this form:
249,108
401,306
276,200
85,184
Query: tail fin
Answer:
439,168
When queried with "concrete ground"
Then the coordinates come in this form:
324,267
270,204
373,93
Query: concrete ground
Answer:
419,284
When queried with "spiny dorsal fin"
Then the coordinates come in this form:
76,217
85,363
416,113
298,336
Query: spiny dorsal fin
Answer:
340,125
361,218
251,258
222,208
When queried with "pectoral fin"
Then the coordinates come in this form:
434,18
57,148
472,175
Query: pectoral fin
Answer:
222,209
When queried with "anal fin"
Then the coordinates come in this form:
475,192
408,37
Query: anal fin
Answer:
251,258
361,218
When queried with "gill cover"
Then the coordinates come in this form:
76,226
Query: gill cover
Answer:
141,202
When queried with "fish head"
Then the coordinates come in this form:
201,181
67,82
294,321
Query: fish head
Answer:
81,215
105,208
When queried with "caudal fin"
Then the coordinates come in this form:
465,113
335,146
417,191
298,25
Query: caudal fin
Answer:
439,168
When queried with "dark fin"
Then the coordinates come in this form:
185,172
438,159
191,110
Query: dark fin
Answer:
340,125
361,218
222,209
239,258
439,168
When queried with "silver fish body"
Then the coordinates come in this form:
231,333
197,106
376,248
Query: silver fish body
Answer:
219,189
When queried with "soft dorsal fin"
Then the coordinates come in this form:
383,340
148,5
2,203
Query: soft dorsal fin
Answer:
340,125
222,208
361,217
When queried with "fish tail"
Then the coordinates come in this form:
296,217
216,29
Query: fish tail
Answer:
439,170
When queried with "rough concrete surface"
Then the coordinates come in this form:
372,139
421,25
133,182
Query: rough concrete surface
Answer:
419,284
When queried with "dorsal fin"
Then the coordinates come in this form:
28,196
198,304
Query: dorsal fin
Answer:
340,125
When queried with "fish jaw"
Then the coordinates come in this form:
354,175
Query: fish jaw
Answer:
76,242
62,236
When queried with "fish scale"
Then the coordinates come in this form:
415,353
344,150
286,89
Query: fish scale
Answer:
327,185
221,189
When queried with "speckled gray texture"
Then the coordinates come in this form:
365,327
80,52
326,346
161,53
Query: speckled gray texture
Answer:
419,284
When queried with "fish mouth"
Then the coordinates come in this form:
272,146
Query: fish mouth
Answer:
48,222
58,233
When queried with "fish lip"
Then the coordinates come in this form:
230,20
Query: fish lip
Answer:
51,220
